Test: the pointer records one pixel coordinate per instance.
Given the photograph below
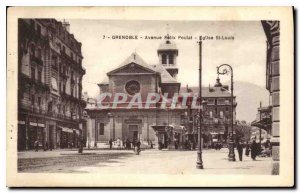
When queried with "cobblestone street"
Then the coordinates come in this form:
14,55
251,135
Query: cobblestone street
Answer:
148,162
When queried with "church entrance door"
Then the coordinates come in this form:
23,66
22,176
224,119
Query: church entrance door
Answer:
133,132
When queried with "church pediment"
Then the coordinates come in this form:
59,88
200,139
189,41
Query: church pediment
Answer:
132,68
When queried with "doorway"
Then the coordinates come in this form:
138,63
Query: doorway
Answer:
133,132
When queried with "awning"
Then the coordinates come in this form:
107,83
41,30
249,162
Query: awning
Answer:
159,128
179,128
66,129
163,128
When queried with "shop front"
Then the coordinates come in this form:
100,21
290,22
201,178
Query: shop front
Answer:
66,137
169,136
35,133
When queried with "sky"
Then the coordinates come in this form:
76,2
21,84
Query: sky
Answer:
246,53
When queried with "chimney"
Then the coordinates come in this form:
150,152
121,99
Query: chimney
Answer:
66,25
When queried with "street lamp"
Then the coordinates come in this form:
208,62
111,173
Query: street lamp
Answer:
226,69
199,151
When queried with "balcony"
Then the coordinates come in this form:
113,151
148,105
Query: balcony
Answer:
71,98
26,82
54,67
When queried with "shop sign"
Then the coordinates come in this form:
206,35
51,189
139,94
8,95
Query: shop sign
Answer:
41,125
21,122
33,124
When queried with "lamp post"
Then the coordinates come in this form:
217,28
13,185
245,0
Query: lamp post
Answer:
226,69
199,151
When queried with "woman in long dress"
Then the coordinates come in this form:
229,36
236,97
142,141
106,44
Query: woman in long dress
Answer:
247,149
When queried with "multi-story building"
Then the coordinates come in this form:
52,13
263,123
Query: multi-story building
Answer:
216,113
50,84
272,31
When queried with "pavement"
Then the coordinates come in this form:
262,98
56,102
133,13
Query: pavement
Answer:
148,162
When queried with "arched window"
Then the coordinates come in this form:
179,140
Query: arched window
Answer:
164,59
171,59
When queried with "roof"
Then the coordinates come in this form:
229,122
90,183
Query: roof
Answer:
208,91
167,45
135,58
164,74
104,81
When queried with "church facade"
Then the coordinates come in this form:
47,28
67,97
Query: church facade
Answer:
134,76
113,119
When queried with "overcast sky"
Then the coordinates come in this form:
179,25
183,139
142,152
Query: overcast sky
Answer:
246,53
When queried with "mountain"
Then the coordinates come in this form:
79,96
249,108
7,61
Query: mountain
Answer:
248,97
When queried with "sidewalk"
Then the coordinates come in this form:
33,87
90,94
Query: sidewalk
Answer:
148,162
182,162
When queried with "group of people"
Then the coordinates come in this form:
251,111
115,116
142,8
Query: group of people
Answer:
45,146
254,149
217,146
124,144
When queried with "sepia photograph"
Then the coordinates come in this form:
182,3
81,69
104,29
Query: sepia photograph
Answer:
146,97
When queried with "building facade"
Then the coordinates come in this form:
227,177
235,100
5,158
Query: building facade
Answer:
150,125
272,31
216,114
49,85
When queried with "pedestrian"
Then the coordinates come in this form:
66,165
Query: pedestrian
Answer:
128,144
51,146
110,143
254,150
119,143
133,143
247,149
239,147
36,145
46,146
175,143
124,143
137,147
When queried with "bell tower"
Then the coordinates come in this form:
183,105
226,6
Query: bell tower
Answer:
167,54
